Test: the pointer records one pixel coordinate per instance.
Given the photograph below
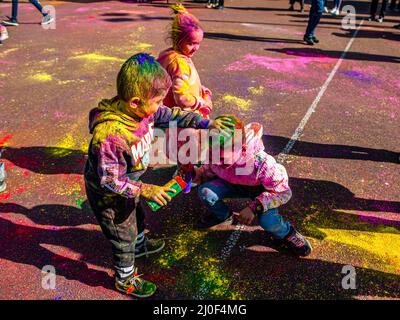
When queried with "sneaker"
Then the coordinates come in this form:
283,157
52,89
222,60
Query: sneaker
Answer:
10,22
219,7
210,5
301,9
136,286
148,247
335,12
3,184
309,40
211,220
372,18
380,19
47,19
297,243
315,39
326,10
291,8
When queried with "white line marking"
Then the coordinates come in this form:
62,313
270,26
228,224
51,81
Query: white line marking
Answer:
234,237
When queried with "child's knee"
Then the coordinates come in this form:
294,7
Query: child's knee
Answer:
271,221
207,196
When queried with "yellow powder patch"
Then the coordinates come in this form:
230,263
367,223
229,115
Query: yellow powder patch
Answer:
384,245
143,46
5,52
239,102
94,57
42,77
257,91
67,145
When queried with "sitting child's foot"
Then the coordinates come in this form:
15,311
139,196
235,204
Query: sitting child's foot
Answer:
297,243
135,286
149,246
211,220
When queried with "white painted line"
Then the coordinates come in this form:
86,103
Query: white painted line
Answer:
234,237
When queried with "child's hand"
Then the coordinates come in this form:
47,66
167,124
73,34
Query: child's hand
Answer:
223,124
198,172
157,194
246,216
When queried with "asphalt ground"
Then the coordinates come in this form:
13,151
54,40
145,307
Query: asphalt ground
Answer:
344,168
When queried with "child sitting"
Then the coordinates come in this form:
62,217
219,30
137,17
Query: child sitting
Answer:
248,172
122,129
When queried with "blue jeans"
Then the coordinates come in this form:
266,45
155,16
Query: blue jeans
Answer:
317,8
213,192
14,12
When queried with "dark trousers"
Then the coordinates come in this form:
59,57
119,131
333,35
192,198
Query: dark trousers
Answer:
121,220
292,2
374,8
14,10
316,11
393,4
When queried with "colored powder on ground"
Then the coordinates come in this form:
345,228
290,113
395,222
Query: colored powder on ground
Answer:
67,146
94,57
358,76
257,91
243,104
4,140
143,46
251,62
385,246
42,77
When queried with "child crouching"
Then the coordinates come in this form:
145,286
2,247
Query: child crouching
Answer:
251,173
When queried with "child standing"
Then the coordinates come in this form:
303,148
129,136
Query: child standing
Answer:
251,173
186,92
122,129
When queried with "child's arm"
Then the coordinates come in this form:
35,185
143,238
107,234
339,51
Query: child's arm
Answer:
274,178
180,73
187,119
112,170
203,174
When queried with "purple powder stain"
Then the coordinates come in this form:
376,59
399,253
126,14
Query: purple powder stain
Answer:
358,76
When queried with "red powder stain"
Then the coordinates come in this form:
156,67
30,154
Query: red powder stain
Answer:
5,196
5,139
91,17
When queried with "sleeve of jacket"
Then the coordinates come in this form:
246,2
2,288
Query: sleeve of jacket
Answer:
274,178
179,70
184,119
112,169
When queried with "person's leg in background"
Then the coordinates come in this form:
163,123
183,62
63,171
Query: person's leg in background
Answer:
317,7
383,10
291,3
272,222
374,7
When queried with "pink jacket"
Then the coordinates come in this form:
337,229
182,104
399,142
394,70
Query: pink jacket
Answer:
261,169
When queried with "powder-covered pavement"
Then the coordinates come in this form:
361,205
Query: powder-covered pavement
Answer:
344,171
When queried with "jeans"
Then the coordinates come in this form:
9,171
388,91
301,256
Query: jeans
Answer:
213,192
374,8
14,11
317,8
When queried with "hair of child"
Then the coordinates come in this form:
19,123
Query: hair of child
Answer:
143,77
183,25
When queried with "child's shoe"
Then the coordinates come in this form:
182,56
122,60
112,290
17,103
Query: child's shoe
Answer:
136,286
326,10
315,39
297,243
372,18
291,8
380,19
335,12
149,246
